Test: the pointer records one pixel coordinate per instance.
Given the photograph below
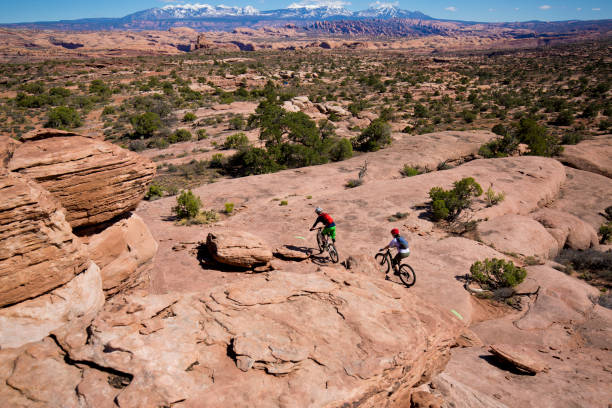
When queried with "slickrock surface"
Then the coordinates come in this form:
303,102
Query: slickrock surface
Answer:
518,235
276,339
520,357
594,155
94,180
7,148
585,195
38,251
32,320
122,251
567,229
238,248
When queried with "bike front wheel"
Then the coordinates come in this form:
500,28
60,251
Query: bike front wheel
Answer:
407,275
333,253
383,263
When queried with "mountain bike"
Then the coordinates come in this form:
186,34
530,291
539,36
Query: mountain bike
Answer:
325,245
404,271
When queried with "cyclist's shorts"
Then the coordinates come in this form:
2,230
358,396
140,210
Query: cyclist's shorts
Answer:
331,231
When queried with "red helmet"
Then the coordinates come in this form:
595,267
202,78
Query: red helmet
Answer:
394,231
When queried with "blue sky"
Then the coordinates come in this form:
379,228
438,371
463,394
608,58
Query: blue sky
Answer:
12,11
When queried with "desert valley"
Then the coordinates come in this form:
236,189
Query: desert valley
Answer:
159,176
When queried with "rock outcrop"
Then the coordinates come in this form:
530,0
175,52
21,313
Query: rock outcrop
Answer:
7,148
238,248
294,339
594,155
567,229
93,180
32,320
38,251
520,357
122,252
518,235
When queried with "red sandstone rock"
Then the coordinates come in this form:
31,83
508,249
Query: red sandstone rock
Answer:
594,155
94,180
38,251
519,357
237,248
567,229
122,252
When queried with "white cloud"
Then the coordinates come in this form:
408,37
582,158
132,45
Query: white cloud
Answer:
451,8
319,3
491,10
596,9
579,9
516,9
545,7
378,4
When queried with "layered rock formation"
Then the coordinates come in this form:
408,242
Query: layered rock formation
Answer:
94,181
47,276
38,251
237,248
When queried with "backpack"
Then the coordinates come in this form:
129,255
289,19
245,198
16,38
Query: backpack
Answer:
327,219
403,243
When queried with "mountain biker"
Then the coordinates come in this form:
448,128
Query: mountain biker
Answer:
399,242
327,221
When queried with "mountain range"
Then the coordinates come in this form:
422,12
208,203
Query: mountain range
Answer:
206,17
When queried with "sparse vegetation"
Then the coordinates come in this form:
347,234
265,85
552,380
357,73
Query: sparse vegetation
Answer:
448,204
497,273
187,205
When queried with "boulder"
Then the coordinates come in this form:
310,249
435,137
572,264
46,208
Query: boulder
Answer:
94,180
238,248
424,399
32,320
519,235
38,251
594,155
122,251
567,229
519,357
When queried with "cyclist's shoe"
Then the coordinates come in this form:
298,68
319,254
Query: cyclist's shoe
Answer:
387,277
396,272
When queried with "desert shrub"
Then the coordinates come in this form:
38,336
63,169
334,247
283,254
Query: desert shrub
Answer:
572,138
341,150
237,123
397,216
145,124
236,141
180,135
217,160
420,111
468,116
137,145
540,142
252,160
229,208
352,183
492,198
564,118
108,110
155,191
187,205
358,106
202,134
189,117
409,171
63,117
500,147
376,136
283,202
33,87
98,87
499,129
448,204
497,273
31,101
59,92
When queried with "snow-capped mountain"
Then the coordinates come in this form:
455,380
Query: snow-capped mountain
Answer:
329,10
193,11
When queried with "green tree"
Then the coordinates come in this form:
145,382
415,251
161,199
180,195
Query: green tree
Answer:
236,141
497,273
536,136
63,117
376,136
146,124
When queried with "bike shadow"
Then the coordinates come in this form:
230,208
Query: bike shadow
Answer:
320,259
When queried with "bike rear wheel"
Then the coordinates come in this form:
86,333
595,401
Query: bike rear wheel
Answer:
383,263
333,254
407,275
320,241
